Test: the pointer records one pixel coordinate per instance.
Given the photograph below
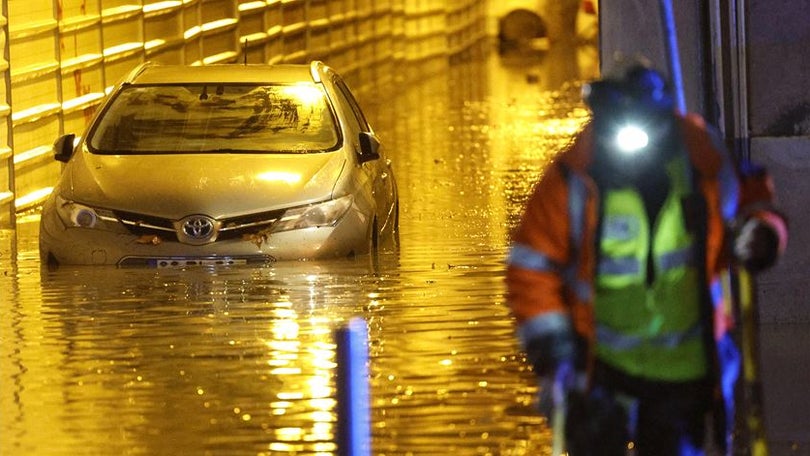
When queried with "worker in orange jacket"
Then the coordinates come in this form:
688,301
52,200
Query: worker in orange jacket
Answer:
614,273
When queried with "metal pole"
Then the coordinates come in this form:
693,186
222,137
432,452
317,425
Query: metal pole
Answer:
671,42
739,85
353,424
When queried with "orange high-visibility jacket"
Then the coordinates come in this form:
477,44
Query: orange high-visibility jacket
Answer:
551,267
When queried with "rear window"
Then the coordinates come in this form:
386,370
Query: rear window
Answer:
198,118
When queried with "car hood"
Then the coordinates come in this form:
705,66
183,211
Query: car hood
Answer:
217,185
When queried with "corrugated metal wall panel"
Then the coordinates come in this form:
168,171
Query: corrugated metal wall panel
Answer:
7,206
35,86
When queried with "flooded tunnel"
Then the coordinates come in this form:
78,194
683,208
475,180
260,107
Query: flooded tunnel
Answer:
61,62
241,360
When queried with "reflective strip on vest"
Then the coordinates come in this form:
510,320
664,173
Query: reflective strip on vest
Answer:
676,259
543,325
528,258
630,265
619,342
523,256
617,266
577,199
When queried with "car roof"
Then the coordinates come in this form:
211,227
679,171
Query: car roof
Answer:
152,73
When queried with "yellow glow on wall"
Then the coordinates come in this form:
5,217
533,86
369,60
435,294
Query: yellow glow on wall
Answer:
290,396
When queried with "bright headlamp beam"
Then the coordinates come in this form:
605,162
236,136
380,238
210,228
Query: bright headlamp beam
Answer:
631,139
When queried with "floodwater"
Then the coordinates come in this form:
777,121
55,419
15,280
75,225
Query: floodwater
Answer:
241,361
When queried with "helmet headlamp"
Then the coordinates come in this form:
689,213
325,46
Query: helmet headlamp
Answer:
631,139
629,108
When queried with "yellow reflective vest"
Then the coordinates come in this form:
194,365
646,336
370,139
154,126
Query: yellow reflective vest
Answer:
649,329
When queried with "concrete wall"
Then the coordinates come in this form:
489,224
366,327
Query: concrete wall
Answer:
778,43
776,108
778,39
784,292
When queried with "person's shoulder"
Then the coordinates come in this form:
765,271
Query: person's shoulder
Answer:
705,143
694,119
578,154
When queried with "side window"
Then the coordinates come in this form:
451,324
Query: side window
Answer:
352,102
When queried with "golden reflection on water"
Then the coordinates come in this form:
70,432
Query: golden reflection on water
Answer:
242,361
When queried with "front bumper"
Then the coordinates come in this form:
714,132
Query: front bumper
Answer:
87,246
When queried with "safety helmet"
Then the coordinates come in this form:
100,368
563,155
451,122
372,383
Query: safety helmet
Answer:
633,110
635,87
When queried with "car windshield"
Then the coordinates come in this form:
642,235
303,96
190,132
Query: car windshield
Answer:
216,118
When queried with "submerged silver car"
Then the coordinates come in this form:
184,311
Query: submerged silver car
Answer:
221,164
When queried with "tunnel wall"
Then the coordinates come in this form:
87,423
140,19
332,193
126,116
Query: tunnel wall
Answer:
778,38
61,57
775,106
630,28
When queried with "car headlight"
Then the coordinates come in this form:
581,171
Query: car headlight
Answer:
74,214
321,214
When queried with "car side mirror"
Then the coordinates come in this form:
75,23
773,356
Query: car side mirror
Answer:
63,147
369,147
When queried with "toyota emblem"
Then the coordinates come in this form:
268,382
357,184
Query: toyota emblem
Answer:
198,229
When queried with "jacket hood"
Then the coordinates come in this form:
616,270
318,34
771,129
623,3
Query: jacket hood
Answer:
217,185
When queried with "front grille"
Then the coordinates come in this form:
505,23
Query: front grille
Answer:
147,226
243,226
248,225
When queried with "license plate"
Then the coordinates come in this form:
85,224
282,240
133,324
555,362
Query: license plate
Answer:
169,263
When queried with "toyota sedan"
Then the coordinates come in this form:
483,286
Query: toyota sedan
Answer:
221,164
